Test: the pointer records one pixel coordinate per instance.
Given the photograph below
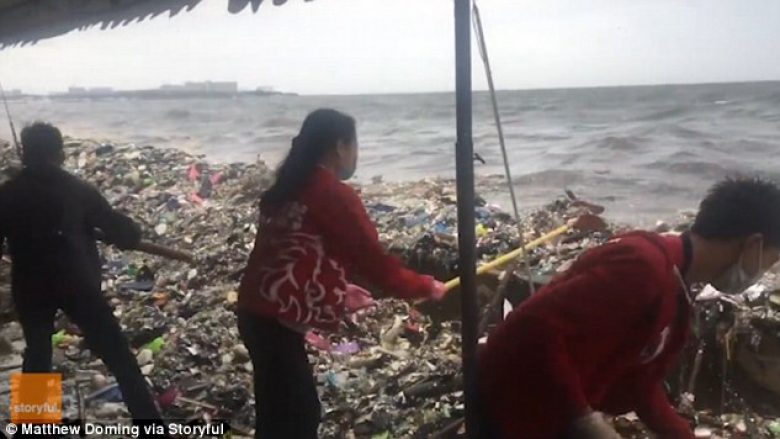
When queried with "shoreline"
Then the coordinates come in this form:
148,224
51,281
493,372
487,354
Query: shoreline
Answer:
492,186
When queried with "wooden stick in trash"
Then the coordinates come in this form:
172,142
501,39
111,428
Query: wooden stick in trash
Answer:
587,222
152,249
166,252
155,249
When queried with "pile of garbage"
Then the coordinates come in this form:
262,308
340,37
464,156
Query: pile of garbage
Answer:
394,371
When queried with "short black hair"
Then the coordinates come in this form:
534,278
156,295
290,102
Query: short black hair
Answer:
41,143
739,207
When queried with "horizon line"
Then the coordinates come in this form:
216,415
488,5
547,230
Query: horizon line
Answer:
451,91
553,88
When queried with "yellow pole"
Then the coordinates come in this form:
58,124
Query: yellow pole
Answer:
505,259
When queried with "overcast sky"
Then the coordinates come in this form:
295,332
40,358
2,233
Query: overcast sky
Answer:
381,46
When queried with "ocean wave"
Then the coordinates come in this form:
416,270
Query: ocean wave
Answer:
151,140
682,155
393,130
273,138
664,188
774,97
620,143
696,168
663,114
748,145
686,133
177,114
551,177
243,120
570,159
220,139
280,121
587,127
527,107
447,112
449,140
538,137
613,143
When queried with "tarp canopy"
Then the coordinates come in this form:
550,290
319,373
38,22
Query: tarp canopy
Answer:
27,21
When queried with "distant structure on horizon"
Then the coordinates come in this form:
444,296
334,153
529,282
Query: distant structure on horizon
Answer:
202,87
92,91
13,93
190,89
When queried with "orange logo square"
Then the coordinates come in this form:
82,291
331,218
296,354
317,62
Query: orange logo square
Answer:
36,398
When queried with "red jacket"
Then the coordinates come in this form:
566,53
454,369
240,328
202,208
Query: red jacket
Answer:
603,336
305,252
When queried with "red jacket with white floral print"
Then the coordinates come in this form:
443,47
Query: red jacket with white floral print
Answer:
305,251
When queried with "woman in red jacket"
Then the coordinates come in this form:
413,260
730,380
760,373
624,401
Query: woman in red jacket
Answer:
314,233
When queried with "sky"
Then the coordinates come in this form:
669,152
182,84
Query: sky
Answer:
406,46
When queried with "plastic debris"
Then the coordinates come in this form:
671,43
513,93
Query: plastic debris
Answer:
232,297
703,433
318,341
161,229
144,285
155,345
109,393
347,348
774,428
336,380
58,337
168,398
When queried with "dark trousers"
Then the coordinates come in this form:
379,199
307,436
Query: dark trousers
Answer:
286,402
102,333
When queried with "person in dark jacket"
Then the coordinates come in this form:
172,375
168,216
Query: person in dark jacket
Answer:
314,235
602,336
49,219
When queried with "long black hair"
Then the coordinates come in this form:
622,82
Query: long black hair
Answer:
322,130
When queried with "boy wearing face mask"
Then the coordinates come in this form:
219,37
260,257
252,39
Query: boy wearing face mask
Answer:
603,335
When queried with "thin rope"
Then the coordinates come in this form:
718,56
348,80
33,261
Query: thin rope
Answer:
11,123
480,36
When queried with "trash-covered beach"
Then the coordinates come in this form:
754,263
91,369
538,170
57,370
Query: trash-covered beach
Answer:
394,369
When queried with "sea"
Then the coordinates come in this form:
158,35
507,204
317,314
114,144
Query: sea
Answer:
646,153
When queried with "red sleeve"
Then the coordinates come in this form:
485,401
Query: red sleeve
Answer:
608,296
349,233
659,416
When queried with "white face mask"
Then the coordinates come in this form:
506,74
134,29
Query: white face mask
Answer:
735,279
